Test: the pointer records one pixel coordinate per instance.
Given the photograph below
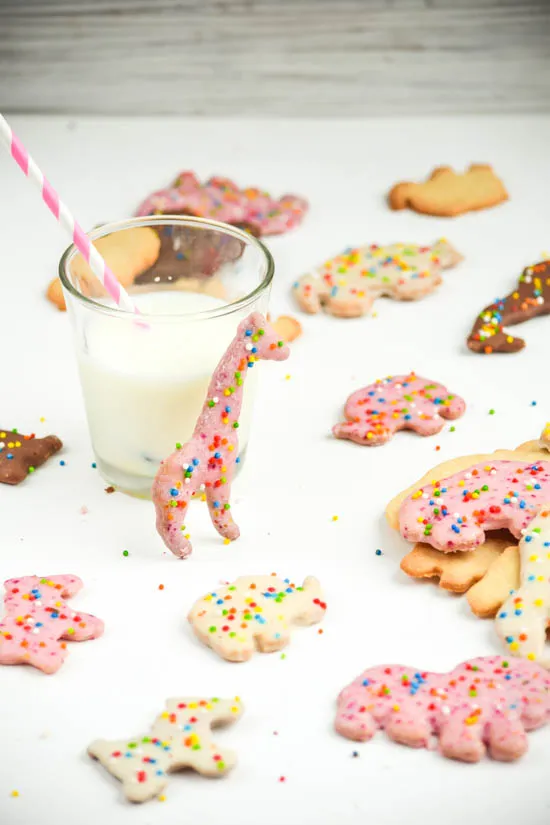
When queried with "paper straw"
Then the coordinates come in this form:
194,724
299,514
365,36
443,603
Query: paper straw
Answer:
64,217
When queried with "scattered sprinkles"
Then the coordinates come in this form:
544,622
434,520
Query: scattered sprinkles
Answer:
125,553
378,552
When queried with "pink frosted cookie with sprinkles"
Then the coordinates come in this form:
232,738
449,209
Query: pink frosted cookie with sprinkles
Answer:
38,622
398,402
483,704
255,612
456,512
180,738
221,199
347,285
207,462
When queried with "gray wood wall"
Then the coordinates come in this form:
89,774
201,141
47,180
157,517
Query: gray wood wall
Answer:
275,57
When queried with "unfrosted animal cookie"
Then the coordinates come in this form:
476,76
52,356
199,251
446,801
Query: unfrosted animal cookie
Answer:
447,193
180,738
38,621
127,253
221,199
486,703
529,451
255,612
545,437
22,454
524,618
287,327
457,572
398,402
454,513
530,298
488,595
347,285
208,460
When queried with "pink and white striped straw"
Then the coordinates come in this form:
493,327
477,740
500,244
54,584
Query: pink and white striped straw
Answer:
60,211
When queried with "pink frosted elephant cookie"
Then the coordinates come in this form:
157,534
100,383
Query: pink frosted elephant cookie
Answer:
455,513
38,619
483,703
207,461
398,402
221,199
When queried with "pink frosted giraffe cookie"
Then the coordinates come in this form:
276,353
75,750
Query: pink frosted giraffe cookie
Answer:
38,619
398,402
181,737
483,703
454,513
255,612
347,285
208,460
221,199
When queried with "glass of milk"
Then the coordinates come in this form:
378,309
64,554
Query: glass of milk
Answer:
144,384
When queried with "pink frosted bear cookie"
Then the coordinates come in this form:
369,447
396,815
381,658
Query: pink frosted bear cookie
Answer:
37,620
346,286
181,737
454,513
221,199
483,703
400,402
207,461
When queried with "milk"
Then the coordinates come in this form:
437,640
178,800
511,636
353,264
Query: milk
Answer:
144,387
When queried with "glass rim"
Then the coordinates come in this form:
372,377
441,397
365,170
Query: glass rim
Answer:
156,220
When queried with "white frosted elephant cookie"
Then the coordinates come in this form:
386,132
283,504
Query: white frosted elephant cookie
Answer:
181,737
255,612
347,285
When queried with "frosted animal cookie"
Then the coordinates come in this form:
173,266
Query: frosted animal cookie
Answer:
528,451
221,199
255,612
400,402
486,703
208,459
524,618
37,621
180,738
22,454
454,514
347,285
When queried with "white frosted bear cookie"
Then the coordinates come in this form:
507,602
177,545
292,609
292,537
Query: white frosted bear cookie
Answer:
255,612
181,737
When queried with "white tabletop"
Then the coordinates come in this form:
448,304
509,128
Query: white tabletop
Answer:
295,479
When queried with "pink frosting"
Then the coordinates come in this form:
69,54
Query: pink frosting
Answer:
207,461
37,619
221,199
487,702
398,402
454,514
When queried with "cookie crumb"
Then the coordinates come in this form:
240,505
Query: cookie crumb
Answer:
84,510
378,552
109,490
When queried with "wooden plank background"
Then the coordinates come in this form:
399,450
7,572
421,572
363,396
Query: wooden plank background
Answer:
275,57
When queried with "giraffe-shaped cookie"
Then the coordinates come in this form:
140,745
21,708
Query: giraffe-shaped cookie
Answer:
524,618
347,285
181,737
398,402
38,620
210,456
255,611
455,513
483,703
